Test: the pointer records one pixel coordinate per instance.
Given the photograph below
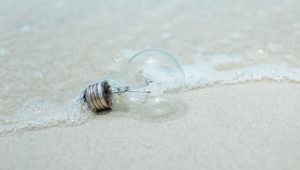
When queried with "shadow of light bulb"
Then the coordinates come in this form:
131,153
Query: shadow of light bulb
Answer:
152,83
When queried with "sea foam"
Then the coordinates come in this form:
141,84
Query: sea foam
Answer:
222,69
203,74
36,113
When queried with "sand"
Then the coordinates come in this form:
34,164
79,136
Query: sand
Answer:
246,126
241,107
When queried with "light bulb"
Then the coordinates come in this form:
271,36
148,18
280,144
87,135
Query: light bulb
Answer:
153,81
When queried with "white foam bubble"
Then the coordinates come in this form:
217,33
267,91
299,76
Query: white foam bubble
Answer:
202,73
36,113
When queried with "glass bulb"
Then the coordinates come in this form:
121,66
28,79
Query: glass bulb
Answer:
152,81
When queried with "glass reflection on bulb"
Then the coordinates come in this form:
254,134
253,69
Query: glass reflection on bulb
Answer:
153,82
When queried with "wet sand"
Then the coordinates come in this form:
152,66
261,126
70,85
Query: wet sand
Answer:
247,126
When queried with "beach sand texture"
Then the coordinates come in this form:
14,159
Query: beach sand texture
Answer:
240,108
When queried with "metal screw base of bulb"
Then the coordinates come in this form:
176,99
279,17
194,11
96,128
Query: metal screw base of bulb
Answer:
98,96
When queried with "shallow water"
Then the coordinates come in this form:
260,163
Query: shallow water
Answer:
50,50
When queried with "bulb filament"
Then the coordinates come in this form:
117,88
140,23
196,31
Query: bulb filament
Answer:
124,89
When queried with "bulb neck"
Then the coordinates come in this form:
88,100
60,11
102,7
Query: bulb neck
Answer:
98,96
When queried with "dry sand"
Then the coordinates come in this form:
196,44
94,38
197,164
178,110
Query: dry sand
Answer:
247,126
